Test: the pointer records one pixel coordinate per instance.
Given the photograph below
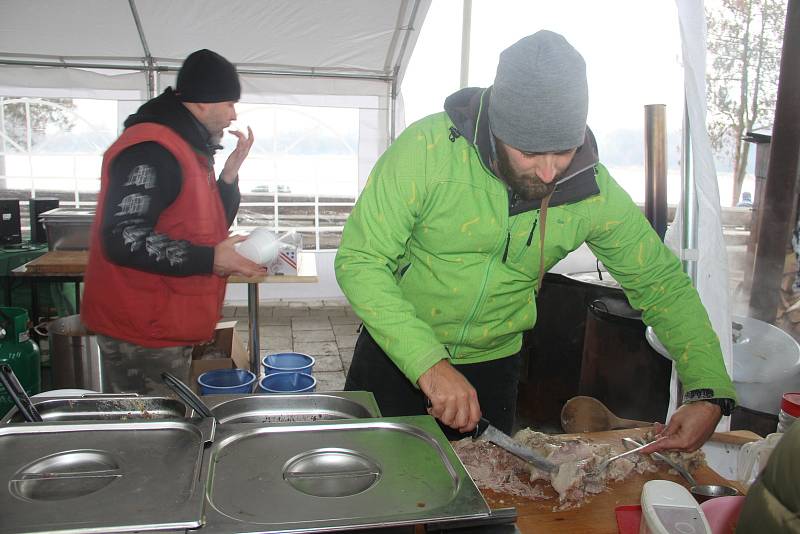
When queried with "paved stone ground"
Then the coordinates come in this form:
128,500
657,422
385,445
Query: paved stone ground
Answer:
325,329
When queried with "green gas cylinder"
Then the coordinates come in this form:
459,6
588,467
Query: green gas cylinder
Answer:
20,352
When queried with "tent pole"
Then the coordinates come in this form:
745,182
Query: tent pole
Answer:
466,31
393,107
152,82
689,253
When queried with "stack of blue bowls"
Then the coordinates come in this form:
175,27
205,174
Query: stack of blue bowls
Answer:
226,382
288,372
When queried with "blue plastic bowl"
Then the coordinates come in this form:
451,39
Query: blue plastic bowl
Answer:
287,382
226,381
295,362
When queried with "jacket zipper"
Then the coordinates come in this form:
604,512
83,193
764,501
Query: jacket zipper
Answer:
479,299
486,272
533,228
508,242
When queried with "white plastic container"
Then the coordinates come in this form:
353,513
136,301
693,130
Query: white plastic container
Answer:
669,508
261,246
753,457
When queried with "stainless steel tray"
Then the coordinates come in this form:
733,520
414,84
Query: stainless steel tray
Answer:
68,228
102,477
293,408
102,408
336,476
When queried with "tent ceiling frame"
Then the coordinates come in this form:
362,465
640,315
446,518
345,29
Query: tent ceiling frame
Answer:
141,67
149,64
393,79
152,78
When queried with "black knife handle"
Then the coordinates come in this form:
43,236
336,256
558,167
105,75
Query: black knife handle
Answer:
480,428
17,393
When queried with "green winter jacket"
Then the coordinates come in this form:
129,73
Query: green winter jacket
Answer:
440,261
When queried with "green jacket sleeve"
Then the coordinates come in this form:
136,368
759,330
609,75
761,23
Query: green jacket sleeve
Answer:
655,283
371,253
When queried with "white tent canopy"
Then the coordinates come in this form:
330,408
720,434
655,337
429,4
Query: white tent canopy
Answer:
364,39
330,47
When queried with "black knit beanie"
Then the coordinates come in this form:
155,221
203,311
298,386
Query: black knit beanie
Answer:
206,76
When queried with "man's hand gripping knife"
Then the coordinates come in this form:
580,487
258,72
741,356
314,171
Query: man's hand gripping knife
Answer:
452,399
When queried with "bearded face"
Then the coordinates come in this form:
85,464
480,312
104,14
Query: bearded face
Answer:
531,175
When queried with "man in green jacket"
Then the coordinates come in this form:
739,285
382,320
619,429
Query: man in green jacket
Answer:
444,252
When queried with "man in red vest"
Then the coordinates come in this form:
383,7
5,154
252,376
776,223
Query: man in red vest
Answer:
160,252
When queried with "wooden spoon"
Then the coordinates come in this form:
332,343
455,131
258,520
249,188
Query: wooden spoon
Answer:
587,414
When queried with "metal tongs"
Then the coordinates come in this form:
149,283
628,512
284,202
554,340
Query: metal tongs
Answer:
599,468
18,395
187,395
664,458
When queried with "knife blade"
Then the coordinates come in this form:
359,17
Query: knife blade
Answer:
501,439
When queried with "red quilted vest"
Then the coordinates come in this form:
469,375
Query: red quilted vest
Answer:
148,309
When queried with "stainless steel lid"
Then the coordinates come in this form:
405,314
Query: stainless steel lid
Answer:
102,477
67,215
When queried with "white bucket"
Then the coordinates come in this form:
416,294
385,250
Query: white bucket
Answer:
766,363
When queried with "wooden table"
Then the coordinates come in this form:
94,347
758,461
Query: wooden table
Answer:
69,265
306,273
597,515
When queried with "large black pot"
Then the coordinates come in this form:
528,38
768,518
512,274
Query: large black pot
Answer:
588,341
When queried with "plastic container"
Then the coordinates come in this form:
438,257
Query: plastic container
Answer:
753,457
295,362
790,411
261,246
722,513
287,382
226,381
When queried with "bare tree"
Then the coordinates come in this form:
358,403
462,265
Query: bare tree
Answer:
24,122
744,42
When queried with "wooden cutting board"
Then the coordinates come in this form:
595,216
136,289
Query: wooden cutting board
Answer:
597,515
58,262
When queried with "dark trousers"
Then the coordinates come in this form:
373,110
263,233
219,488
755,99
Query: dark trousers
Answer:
495,381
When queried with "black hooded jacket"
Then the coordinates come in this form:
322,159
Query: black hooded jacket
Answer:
157,186
469,111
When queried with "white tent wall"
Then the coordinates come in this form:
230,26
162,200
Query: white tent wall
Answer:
331,53
710,255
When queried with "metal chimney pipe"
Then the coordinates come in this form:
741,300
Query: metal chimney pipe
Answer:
655,166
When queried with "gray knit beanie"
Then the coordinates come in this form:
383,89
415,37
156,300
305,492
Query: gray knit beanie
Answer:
540,96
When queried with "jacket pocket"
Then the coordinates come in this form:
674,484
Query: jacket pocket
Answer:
188,309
